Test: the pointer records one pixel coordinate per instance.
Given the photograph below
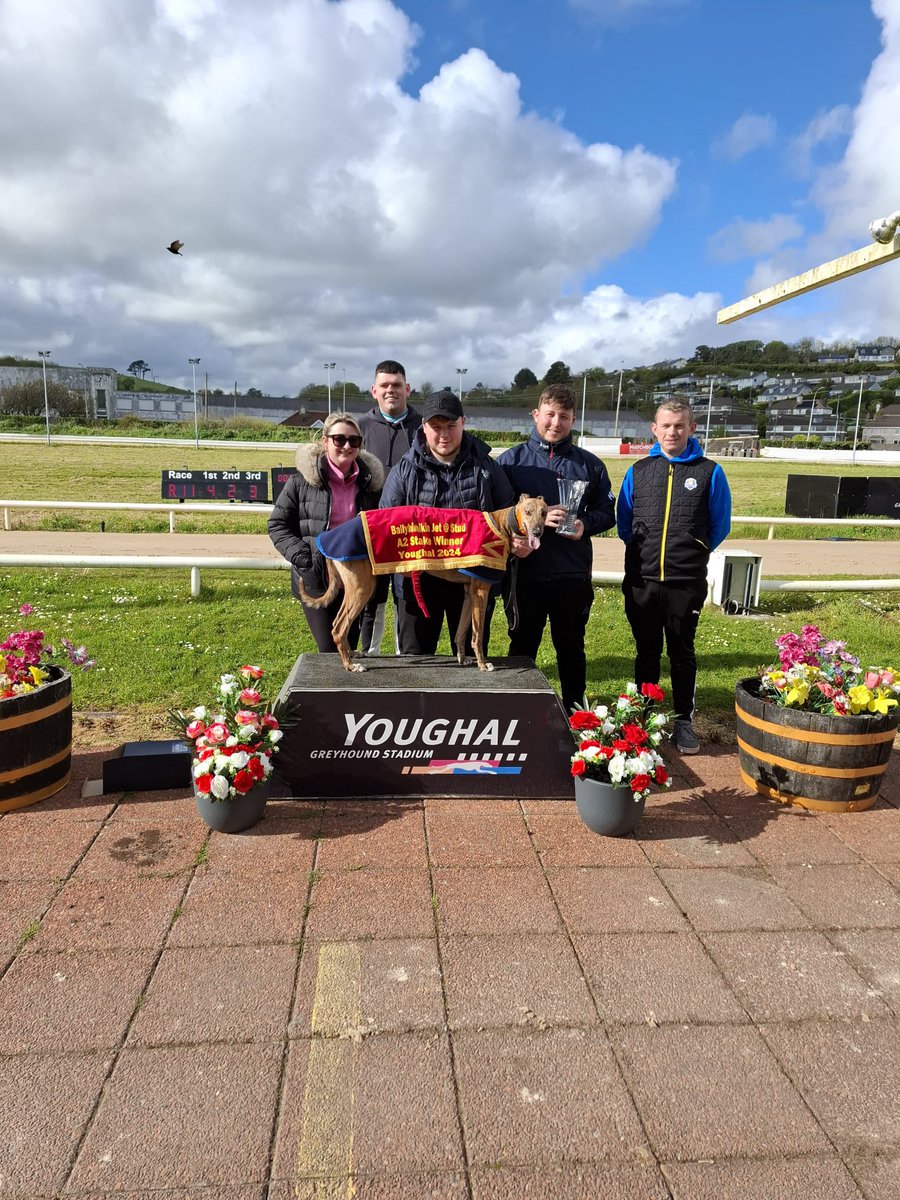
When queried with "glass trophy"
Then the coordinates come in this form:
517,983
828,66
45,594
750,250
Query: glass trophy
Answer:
570,493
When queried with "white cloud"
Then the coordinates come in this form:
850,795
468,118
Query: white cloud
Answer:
825,126
746,239
325,212
748,133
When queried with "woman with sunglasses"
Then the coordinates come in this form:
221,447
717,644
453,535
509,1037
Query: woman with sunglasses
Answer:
335,480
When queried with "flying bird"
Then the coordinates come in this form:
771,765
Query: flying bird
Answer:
175,247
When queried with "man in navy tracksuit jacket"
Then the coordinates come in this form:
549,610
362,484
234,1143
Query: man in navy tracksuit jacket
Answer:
673,510
554,582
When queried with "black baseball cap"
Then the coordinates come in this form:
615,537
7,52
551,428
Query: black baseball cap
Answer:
443,404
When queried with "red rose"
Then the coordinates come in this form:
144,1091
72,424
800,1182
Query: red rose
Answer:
243,781
661,775
639,782
607,751
588,743
255,768
579,766
584,720
653,692
621,744
202,784
634,735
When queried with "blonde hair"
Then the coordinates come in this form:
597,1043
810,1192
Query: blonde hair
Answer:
339,418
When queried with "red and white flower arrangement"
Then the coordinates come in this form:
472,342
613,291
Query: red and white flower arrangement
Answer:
234,739
618,743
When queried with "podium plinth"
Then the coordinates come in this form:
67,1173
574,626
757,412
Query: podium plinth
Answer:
423,727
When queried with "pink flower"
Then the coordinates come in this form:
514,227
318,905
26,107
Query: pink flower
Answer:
873,678
25,610
244,716
253,672
195,729
217,733
270,722
249,696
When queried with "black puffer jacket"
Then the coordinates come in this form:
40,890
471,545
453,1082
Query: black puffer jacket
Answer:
303,509
473,480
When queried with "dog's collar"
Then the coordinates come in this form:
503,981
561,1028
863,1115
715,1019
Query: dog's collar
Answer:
514,521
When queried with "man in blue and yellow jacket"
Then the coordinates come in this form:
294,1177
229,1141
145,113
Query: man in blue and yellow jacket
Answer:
673,510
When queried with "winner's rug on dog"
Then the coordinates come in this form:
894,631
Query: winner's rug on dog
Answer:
460,545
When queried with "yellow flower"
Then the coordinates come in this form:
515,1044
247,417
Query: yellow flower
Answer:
860,697
881,702
797,694
37,674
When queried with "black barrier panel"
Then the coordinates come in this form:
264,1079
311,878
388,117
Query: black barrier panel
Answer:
280,476
811,496
884,497
423,727
853,496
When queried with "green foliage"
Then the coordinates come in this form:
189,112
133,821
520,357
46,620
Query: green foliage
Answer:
558,372
524,379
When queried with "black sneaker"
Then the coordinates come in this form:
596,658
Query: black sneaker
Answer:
686,741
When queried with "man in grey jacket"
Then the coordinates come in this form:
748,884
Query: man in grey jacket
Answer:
388,430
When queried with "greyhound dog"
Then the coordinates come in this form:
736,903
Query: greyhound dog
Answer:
526,518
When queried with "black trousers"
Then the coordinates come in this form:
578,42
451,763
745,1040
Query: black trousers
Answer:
566,604
654,609
418,634
320,621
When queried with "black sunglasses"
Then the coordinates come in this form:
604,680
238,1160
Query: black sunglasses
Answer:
341,439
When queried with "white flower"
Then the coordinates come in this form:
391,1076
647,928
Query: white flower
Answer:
623,703
616,768
275,736
602,711
647,760
227,685
239,760
231,741
220,787
247,733
591,753
200,768
199,713
221,763
608,726
631,689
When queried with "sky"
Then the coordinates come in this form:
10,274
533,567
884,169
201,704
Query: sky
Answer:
478,184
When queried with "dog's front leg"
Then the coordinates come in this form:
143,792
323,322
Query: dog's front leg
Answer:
478,603
462,629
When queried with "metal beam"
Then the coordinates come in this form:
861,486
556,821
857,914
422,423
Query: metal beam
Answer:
838,268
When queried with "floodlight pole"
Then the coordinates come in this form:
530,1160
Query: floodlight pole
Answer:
43,355
862,380
460,371
618,403
193,362
583,402
329,367
708,416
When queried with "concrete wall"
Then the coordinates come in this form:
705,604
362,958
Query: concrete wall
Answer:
97,384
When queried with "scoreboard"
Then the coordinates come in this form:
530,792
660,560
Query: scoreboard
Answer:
252,487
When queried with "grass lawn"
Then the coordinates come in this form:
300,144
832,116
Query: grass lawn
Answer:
133,473
156,648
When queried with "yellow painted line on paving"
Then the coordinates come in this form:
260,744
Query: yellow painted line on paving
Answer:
324,1160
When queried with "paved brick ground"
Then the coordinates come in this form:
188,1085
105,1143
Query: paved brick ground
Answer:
458,999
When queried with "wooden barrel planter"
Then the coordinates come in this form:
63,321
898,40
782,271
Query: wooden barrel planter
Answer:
830,764
36,742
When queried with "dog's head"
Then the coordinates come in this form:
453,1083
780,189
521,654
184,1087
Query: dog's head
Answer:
531,513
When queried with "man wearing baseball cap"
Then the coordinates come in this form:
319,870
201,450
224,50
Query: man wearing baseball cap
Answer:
445,467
